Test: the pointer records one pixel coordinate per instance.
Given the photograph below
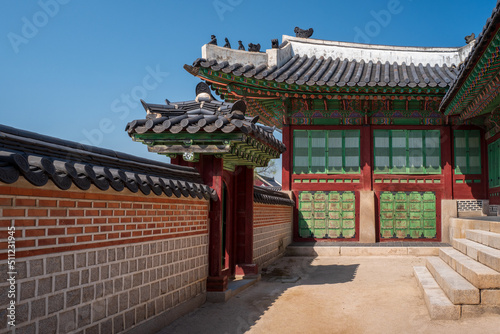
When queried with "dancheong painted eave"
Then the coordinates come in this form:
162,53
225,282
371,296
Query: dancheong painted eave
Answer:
476,85
312,62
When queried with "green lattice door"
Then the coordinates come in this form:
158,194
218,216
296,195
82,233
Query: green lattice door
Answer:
327,214
410,215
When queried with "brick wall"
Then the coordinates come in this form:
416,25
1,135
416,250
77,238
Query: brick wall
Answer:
100,262
272,232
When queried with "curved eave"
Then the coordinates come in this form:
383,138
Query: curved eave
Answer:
477,70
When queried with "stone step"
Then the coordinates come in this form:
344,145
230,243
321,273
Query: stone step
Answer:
438,305
457,288
487,238
488,256
458,226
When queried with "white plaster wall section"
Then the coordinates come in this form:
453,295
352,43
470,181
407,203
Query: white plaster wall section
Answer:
383,53
232,56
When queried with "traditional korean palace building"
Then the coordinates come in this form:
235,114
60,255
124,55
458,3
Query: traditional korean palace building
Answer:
383,142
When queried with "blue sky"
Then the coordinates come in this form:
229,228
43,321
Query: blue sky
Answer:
71,68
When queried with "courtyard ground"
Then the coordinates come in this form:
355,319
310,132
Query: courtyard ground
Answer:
333,295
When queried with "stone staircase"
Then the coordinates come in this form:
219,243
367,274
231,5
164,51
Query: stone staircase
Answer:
464,280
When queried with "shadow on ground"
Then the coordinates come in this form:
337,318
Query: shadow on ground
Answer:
240,313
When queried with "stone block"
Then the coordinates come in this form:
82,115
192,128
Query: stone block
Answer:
101,256
44,286
118,323
73,297
473,311
55,302
28,329
84,314
112,303
94,274
22,313
145,293
370,251
81,260
456,288
438,305
123,301
423,251
106,326
118,284
21,269
129,319
60,282
49,325
84,276
88,293
36,267
74,279
140,313
67,321
54,264
479,274
38,308
490,297
91,257
98,310
69,262
27,290
133,297
92,330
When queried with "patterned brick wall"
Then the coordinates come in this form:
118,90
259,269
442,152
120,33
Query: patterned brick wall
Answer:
100,262
49,221
469,205
272,232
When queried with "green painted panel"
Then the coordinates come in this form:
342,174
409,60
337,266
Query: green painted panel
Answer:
407,215
327,214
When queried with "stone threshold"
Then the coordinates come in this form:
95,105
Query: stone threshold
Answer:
355,249
234,287
375,244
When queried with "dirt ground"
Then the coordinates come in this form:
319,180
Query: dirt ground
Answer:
333,295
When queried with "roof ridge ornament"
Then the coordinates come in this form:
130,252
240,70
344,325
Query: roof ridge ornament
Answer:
227,45
253,47
213,40
274,43
203,93
240,46
470,38
303,33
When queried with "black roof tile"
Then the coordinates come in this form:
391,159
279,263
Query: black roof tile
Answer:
207,115
40,158
341,72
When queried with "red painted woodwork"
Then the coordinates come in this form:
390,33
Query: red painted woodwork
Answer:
287,159
211,170
447,161
366,157
243,222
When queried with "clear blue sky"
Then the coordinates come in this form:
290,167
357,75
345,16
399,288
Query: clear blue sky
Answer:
69,68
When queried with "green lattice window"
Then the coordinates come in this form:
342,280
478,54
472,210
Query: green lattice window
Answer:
494,164
326,151
407,151
467,151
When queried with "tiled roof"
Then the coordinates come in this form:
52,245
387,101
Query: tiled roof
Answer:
267,196
42,158
269,182
203,114
321,71
465,69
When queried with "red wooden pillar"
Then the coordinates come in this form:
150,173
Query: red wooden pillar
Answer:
447,161
286,163
243,177
365,157
211,170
